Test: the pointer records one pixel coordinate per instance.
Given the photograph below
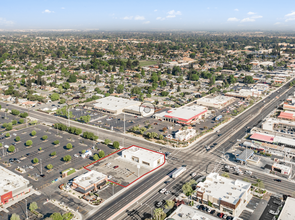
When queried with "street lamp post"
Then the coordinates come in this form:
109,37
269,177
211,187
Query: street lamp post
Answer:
3,148
41,165
124,123
26,209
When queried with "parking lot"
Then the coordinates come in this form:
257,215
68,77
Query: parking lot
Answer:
26,154
20,208
274,205
120,170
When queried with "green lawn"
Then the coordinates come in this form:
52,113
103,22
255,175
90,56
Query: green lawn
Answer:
147,62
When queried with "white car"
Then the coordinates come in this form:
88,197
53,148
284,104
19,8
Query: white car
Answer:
209,210
75,155
193,174
163,190
248,172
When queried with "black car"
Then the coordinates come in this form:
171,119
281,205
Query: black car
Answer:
212,212
201,207
278,180
28,154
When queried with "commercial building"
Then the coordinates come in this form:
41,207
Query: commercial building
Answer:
185,212
290,107
225,194
184,115
245,155
114,105
245,93
90,181
268,138
185,134
270,123
143,156
216,102
12,186
283,169
288,211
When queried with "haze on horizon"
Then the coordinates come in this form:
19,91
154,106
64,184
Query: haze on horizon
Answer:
148,15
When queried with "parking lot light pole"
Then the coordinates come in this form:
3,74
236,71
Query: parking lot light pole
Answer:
41,165
3,148
26,209
124,123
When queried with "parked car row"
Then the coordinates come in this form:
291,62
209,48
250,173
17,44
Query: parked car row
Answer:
213,211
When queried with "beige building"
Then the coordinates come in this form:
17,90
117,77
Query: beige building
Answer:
216,102
225,194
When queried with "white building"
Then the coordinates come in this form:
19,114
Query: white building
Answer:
143,156
288,211
12,186
225,194
216,102
185,212
185,134
114,105
184,115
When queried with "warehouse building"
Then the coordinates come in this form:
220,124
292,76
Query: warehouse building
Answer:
114,105
225,194
90,181
184,115
216,102
143,156
12,186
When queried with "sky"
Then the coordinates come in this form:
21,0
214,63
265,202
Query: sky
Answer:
219,15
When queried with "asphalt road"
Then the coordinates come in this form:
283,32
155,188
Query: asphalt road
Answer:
192,156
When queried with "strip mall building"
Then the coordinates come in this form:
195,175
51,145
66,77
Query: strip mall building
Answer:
183,115
12,186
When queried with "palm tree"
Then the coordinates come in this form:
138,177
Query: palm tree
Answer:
158,213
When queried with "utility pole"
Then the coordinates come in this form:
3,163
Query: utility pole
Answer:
3,148
124,123
26,209
41,165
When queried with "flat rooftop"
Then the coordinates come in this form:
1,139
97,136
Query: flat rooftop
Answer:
87,179
144,154
10,181
288,211
184,113
223,188
188,213
114,103
220,99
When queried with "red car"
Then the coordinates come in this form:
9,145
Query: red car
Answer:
221,215
115,167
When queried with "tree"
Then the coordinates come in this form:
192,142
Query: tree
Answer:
159,213
72,78
187,188
56,216
248,80
35,160
14,112
169,204
7,135
83,151
178,88
67,158
192,55
101,154
14,217
21,121
67,216
44,137
49,166
29,142
11,148
33,133
54,97
24,115
225,175
78,131
9,127
14,122
85,118
69,146
17,139
95,157
56,142
120,88
33,206
116,145
107,141
53,153
62,101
